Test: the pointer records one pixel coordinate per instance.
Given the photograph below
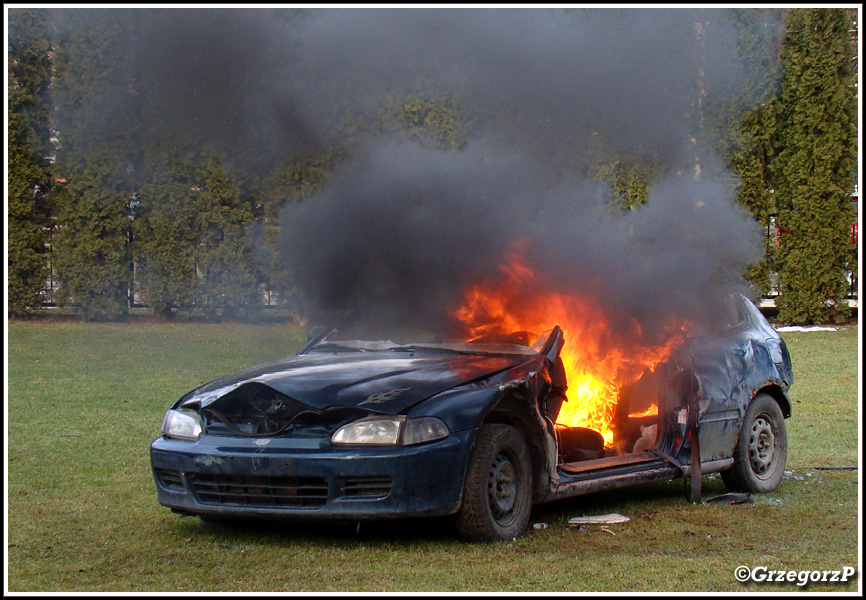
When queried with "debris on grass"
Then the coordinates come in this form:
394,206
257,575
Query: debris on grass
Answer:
598,520
851,468
771,500
732,498
604,520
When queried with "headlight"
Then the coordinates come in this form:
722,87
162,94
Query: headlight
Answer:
424,429
391,431
182,424
370,430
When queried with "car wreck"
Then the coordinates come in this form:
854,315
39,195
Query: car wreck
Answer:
359,430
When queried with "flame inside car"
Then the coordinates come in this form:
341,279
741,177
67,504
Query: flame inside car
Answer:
596,365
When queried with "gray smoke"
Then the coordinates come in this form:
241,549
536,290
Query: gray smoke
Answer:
543,80
407,228
277,83
221,77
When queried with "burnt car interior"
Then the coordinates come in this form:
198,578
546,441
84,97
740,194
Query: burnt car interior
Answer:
635,424
646,409
653,406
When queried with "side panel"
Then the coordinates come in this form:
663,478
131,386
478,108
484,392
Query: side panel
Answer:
720,402
730,370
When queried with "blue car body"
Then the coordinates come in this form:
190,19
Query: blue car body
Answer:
267,442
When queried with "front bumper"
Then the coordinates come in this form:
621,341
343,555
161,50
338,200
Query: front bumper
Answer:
309,478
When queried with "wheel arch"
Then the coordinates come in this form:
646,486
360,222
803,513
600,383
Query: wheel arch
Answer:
512,409
496,503
777,394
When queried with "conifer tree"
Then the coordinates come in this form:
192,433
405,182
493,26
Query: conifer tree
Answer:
92,243
97,133
165,240
752,163
226,278
29,178
748,123
299,181
94,92
817,144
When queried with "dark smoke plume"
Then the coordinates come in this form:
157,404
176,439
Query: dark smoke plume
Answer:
551,78
407,228
221,76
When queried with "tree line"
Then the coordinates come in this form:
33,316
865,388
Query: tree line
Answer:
183,226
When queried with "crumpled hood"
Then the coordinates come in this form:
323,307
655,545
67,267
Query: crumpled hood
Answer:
383,382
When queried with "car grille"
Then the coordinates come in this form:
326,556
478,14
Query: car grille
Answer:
170,480
367,487
260,491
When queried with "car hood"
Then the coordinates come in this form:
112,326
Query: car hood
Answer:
383,382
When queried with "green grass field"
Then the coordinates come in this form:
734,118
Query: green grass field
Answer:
85,401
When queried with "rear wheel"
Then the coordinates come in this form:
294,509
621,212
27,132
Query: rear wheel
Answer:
497,493
762,449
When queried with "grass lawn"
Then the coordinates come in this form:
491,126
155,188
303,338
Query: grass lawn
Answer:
85,401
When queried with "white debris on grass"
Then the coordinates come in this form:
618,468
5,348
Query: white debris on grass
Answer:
770,500
789,474
813,328
598,519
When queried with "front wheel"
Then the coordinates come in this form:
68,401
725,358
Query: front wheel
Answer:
497,493
762,449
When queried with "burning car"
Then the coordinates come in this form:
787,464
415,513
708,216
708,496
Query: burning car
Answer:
482,429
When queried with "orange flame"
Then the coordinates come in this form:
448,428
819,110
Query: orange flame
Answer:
596,366
652,411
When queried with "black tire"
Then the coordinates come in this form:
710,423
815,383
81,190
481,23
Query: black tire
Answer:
497,492
761,451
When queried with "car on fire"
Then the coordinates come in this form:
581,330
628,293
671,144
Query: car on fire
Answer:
359,430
